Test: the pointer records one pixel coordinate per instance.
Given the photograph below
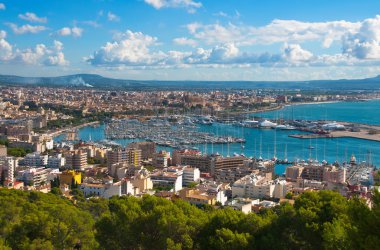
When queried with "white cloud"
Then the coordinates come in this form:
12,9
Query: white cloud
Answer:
294,53
31,17
364,43
67,31
5,47
2,6
39,55
190,5
56,60
278,31
224,46
92,23
135,49
112,17
129,48
185,41
26,28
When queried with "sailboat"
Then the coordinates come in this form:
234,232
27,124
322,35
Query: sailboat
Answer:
310,146
275,147
286,154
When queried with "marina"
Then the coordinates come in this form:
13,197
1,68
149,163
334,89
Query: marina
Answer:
165,133
267,143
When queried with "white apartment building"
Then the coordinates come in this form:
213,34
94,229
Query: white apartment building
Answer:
104,190
256,186
57,161
33,176
35,160
190,175
7,167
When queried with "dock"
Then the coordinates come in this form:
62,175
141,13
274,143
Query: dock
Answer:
364,135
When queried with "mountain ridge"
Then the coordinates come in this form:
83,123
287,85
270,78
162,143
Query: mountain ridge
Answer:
100,82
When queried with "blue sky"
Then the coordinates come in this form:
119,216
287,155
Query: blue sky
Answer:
191,39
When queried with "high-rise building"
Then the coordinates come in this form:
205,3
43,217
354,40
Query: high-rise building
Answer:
131,156
7,168
147,148
76,159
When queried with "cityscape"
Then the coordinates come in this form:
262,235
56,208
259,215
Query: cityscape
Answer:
141,144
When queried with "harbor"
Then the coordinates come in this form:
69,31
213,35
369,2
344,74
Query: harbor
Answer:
267,143
165,133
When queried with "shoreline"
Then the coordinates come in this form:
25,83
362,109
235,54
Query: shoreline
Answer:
63,130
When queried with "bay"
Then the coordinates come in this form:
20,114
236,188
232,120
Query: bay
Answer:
271,141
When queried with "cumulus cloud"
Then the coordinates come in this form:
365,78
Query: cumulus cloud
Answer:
277,31
190,5
112,17
365,42
2,6
225,45
26,28
39,55
31,17
67,31
129,48
5,47
294,53
185,41
135,49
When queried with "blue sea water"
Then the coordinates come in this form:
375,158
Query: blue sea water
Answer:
265,142
367,112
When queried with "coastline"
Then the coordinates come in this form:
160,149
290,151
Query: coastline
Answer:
61,131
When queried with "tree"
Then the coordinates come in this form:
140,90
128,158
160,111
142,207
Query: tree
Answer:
31,220
56,191
289,195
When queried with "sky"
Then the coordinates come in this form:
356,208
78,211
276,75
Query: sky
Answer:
225,40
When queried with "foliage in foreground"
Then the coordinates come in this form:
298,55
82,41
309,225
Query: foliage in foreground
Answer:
318,220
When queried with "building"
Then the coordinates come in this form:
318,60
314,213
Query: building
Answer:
335,174
57,161
125,155
141,181
147,149
76,159
33,176
293,173
179,154
313,172
167,180
104,190
203,162
196,197
161,159
226,163
281,188
3,150
7,168
243,205
231,175
121,170
253,186
35,160
115,156
70,177
221,191
190,175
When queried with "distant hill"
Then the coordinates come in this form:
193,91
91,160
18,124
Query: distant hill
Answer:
80,80
100,82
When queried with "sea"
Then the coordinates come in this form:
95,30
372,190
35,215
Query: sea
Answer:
268,143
